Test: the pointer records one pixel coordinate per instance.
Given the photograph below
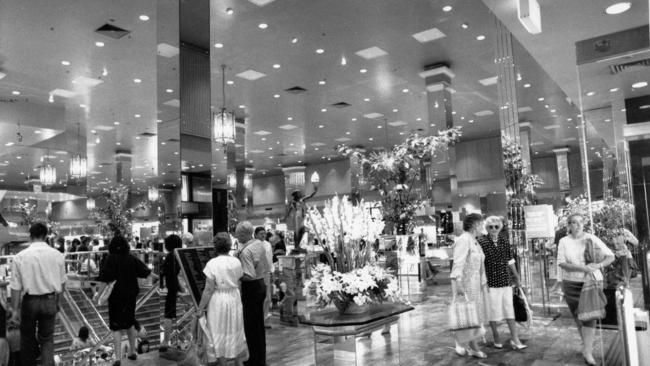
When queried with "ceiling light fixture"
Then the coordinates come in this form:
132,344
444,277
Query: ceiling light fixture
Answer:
480,37
218,45
363,71
447,8
294,41
48,172
230,82
137,81
321,82
224,121
241,106
78,166
169,90
618,8
640,84
276,96
354,119
276,66
527,85
99,44
344,61
541,99
320,51
591,94
464,25
15,92
263,25
137,116
405,90
230,11
144,17
613,90
324,110
65,63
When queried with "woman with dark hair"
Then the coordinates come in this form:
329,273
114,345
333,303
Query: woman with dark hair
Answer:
468,280
279,247
124,269
571,259
76,243
169,278
82,340
60,244
221,299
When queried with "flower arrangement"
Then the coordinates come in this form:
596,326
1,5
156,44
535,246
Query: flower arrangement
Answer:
345,231
393,173
362,286
115,210
519,183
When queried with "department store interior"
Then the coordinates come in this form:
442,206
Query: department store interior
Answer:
193,116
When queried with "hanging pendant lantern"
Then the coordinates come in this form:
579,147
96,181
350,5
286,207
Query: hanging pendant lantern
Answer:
152,194
90,204
248,181
48,175
223,123
78,167
232,181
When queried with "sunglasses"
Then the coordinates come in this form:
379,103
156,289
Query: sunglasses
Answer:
494,227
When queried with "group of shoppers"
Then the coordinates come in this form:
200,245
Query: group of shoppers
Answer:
484,272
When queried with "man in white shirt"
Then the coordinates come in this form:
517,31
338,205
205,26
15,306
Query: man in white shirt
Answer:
37,280
260,234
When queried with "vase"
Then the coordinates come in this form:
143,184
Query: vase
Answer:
350,307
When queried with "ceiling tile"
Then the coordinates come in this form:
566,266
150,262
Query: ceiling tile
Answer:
167,50
429,35
262,133
484,113
397,123
488,81
251,75
287,127
370,53
373,115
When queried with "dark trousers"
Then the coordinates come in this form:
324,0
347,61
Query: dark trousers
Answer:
253,294
38,316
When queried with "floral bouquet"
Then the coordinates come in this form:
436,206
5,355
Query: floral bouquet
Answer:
345,231
362,286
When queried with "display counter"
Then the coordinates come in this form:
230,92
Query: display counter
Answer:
338,337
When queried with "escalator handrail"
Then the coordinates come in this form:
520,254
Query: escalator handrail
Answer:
99,315
72,303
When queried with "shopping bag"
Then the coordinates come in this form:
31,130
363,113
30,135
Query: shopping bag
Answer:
463,314
591,305
102,297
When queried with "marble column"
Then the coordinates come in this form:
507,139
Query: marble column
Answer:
123,167
438,80
562,160
622,150
356,178
524,140
248,189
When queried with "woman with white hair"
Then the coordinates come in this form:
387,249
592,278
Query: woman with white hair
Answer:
498,264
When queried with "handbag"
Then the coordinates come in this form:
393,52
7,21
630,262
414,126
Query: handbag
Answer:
520,306
463,314
105,293
591,305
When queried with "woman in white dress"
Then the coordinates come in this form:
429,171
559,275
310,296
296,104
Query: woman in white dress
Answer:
221,299
468,280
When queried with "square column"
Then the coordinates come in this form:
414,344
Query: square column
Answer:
561,158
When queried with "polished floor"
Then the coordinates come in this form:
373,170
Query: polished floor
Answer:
423,340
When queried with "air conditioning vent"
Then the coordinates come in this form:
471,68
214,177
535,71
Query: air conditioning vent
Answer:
173,140
147,134
112,31
340,105
296,90
630,66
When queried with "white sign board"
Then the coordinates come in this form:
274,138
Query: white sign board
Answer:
540,221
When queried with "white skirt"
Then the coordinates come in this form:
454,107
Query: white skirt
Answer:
225,320
500,304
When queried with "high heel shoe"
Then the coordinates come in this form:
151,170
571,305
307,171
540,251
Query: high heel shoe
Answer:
476,354
461,351
590,360
517,347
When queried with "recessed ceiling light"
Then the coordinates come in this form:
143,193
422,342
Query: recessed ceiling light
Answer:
276,66
263,25
645,106
136,116
447,8
320,126
370,139
366,99
380,126
116,123
319,51
471,121
354,119
321,82
144,17
640,84
480,37
607,120
395,110
9,144
241,106
347,133
218,45
99,44
276,96
169,90
324,110
295,40
65,63
137,137
618,8
118,143
541,99
230,82
15,92
316,148
137,81
263,138
230,11
552,110
418,119
93,131
363,71
464,25
433,125
613,90
527,85
405,90
591,93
